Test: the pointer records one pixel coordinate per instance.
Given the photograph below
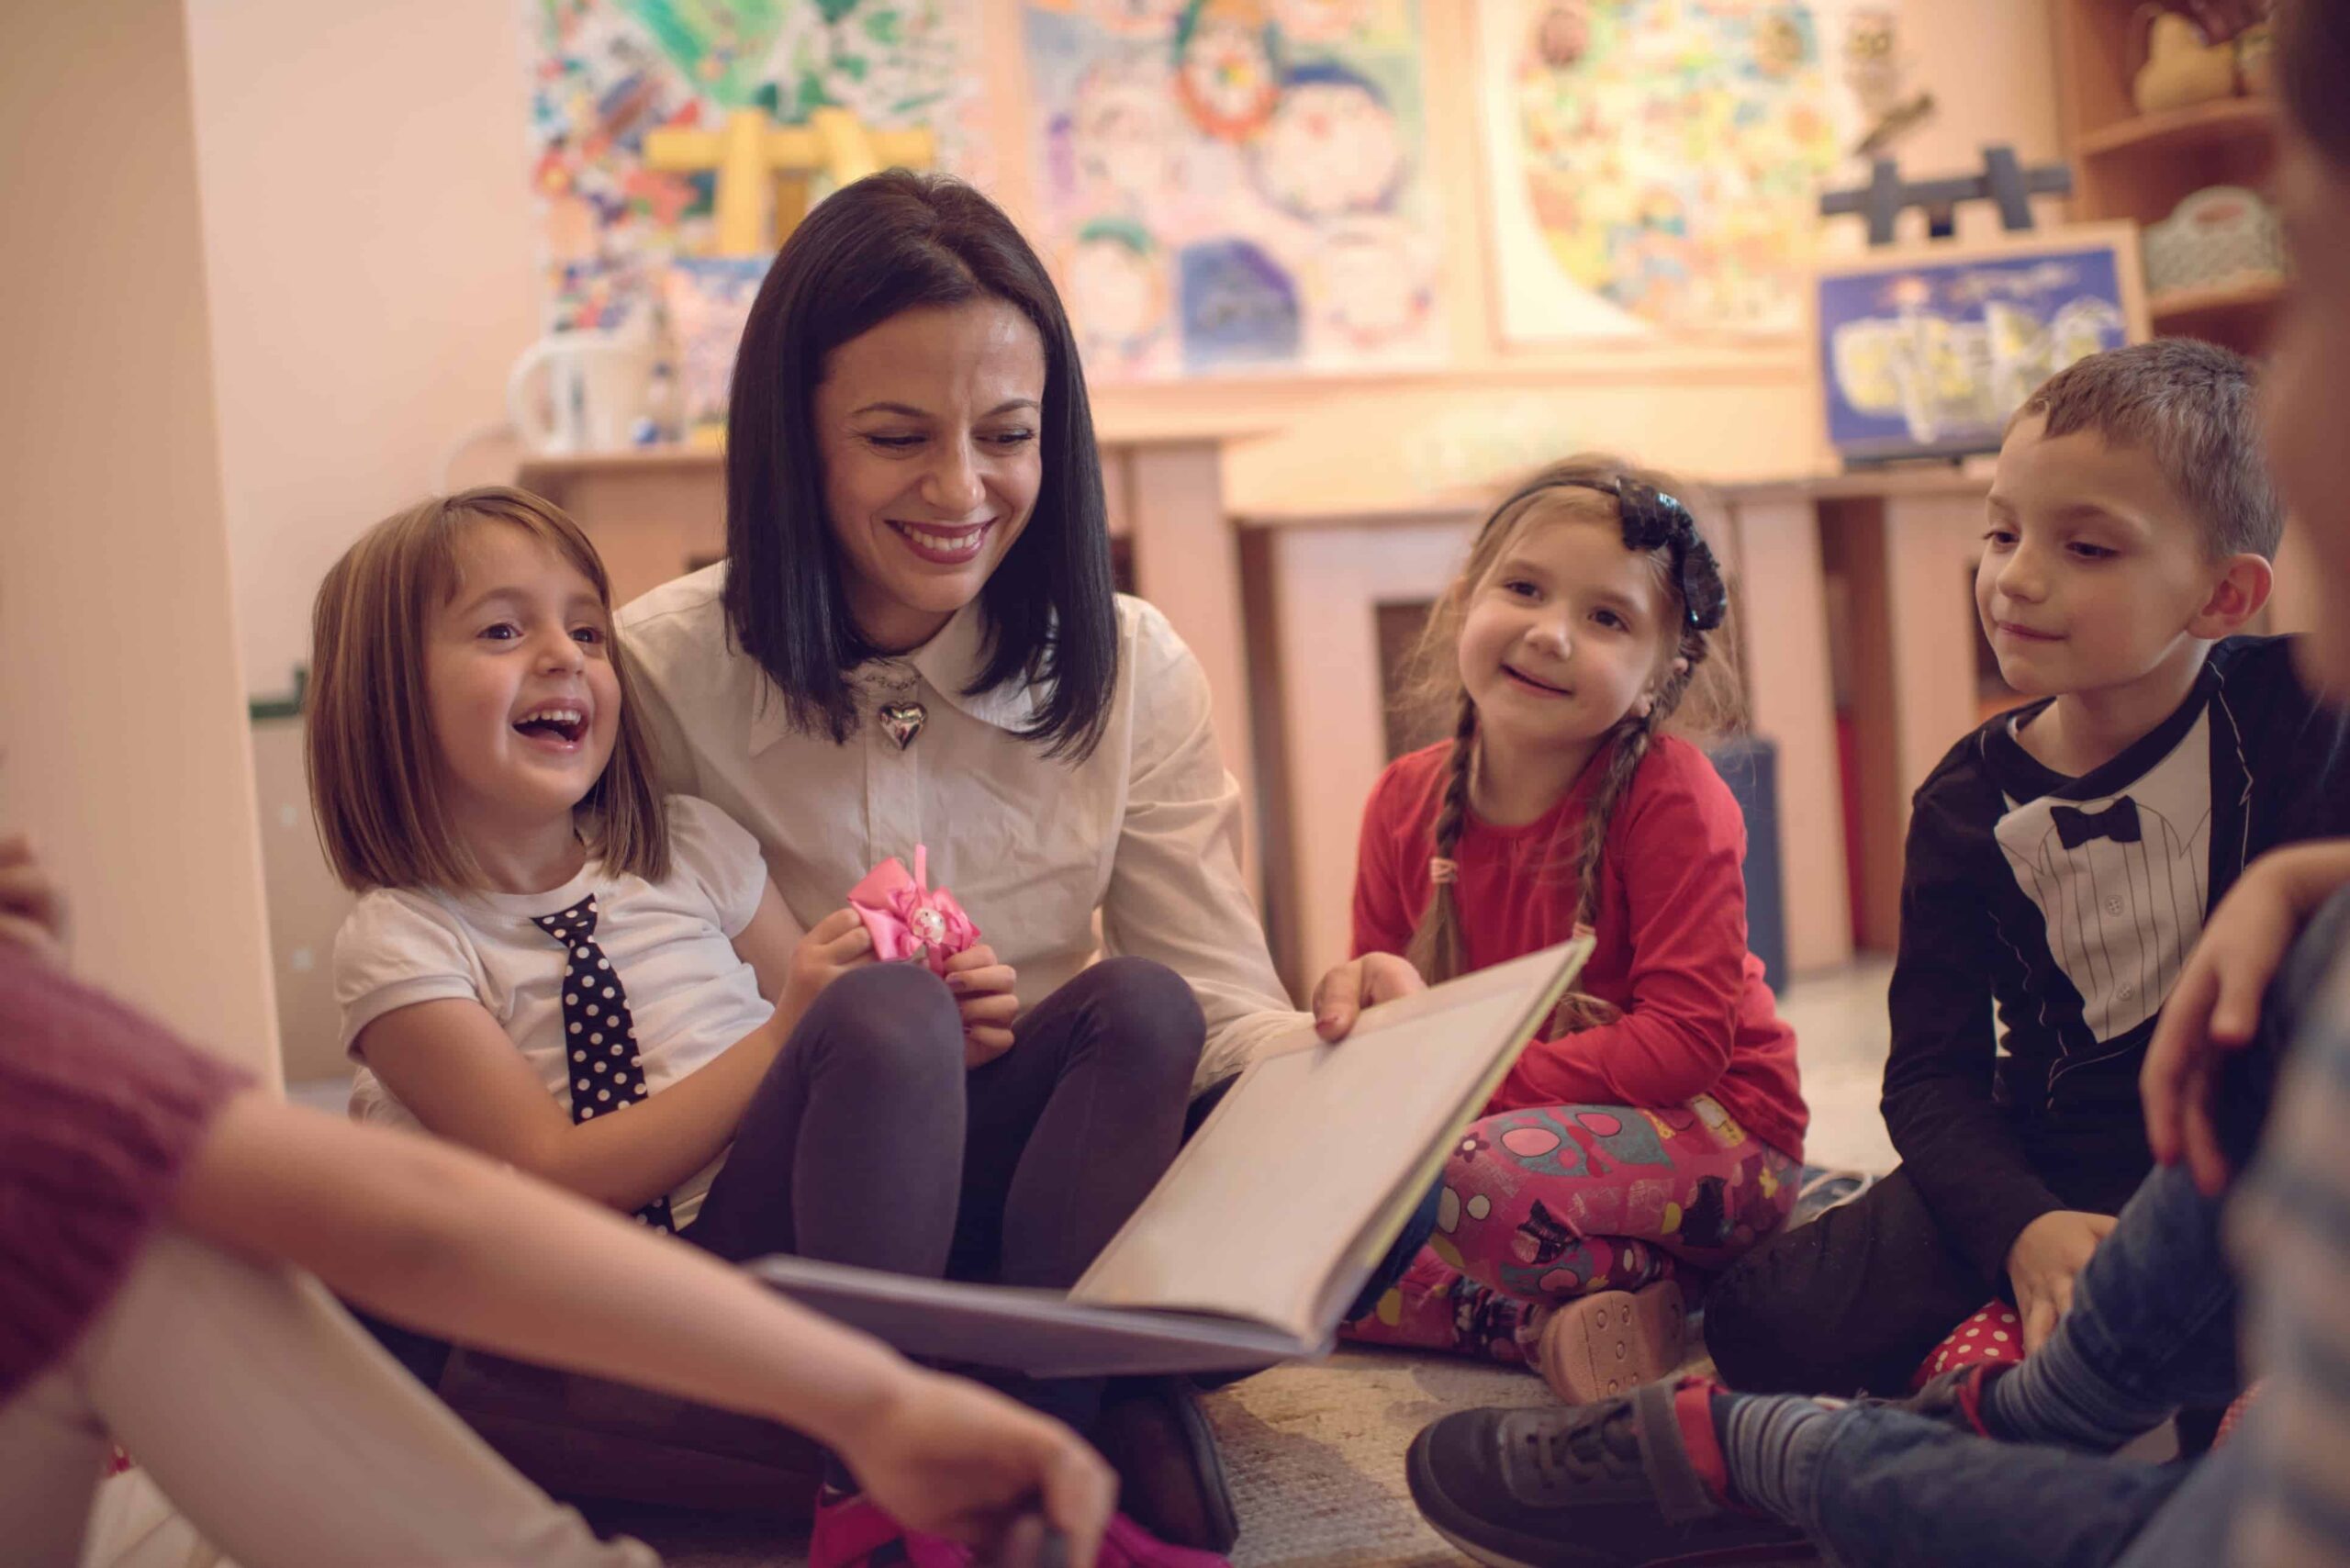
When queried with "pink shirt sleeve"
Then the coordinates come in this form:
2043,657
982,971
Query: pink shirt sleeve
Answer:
99,1110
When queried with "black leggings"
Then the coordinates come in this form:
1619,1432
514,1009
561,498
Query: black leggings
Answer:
870,1143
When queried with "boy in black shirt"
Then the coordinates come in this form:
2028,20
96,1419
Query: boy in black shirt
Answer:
2060,861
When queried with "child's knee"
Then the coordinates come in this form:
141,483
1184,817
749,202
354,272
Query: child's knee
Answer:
1753,1320
898,1019
1151,1017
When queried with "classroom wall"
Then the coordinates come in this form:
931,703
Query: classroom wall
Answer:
368,230
122,734
367,226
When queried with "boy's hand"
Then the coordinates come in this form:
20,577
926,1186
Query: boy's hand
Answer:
32,908
964,1461
1359,983
983,989
838,943
2042,1264
2215,1005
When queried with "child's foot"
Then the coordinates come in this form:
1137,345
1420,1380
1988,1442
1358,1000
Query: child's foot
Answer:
1955,1397
1610,1342
1628,1481
851,1531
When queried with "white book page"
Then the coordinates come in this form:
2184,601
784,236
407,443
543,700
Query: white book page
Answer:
1267,1201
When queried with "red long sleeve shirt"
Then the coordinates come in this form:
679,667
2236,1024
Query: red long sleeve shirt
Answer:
1671,929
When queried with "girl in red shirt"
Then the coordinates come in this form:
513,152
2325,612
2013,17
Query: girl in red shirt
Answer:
1660,1132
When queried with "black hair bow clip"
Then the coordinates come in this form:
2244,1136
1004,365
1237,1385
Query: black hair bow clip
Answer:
1654,520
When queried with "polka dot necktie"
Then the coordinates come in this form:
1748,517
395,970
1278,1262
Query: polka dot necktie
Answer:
600,1038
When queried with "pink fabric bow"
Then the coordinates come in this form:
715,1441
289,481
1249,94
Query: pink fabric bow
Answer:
908,918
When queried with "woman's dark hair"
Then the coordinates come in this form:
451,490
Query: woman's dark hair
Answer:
2312,54
891,242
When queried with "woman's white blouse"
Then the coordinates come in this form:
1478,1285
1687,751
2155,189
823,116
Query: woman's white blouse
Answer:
1144,832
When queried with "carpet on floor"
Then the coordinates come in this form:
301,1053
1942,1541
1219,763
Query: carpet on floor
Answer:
1314,1451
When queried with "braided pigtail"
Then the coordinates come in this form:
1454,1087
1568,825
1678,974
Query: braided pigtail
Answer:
1435,948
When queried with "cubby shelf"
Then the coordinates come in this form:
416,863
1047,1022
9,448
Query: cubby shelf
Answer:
2198,124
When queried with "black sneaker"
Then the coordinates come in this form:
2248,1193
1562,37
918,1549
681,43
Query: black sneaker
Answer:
1605,1485
1170,1475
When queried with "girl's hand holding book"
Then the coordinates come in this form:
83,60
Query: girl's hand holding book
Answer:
1359,983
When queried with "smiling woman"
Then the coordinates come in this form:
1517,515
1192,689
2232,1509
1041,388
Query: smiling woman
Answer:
913,641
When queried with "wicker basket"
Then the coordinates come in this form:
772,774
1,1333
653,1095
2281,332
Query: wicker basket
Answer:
2224,234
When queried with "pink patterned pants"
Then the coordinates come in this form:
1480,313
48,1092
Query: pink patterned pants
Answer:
1545,1204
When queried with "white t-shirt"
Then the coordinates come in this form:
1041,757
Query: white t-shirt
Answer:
671,942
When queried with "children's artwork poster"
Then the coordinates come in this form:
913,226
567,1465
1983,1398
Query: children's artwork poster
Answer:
1654,166
605,73
1926,357
1232,187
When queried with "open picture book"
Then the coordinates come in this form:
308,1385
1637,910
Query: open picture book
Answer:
1271,1220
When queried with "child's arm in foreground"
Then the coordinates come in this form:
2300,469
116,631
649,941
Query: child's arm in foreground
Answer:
2215,1007
438,1239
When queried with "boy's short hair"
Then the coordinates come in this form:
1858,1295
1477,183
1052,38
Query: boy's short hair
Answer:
368,724
2190,406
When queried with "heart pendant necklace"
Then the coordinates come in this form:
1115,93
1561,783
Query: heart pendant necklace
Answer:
902,721
897,684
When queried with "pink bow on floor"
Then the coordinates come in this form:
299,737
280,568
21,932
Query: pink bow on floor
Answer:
908,918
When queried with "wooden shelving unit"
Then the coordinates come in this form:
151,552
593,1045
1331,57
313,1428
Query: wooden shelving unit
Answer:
2138,166
2231,313
2196,126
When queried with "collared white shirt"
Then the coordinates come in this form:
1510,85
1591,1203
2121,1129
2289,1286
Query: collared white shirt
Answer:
1144,833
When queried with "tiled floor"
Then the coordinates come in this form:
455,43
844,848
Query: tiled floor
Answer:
1841,1040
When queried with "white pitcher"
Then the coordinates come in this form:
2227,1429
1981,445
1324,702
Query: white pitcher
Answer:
594,391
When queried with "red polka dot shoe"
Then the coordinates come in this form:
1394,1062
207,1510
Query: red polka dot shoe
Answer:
1993,1337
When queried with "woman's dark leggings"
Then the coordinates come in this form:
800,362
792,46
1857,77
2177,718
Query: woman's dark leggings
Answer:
870,1143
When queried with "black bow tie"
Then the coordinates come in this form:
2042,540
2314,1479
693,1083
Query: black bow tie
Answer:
2117,822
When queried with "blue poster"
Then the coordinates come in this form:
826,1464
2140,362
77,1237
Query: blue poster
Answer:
1928,359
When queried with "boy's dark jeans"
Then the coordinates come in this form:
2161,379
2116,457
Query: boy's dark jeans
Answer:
2153,1322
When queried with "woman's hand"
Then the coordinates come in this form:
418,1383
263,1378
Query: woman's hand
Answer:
838,943
960,1461
2042,1264
983,989
32,908
1359,983
2215,1005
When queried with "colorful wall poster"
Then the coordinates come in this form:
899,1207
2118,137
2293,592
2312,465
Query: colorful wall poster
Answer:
604,72
1923,356
1236,186
1654,165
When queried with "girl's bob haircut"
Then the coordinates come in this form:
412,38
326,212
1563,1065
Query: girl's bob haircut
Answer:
892,242
374,767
